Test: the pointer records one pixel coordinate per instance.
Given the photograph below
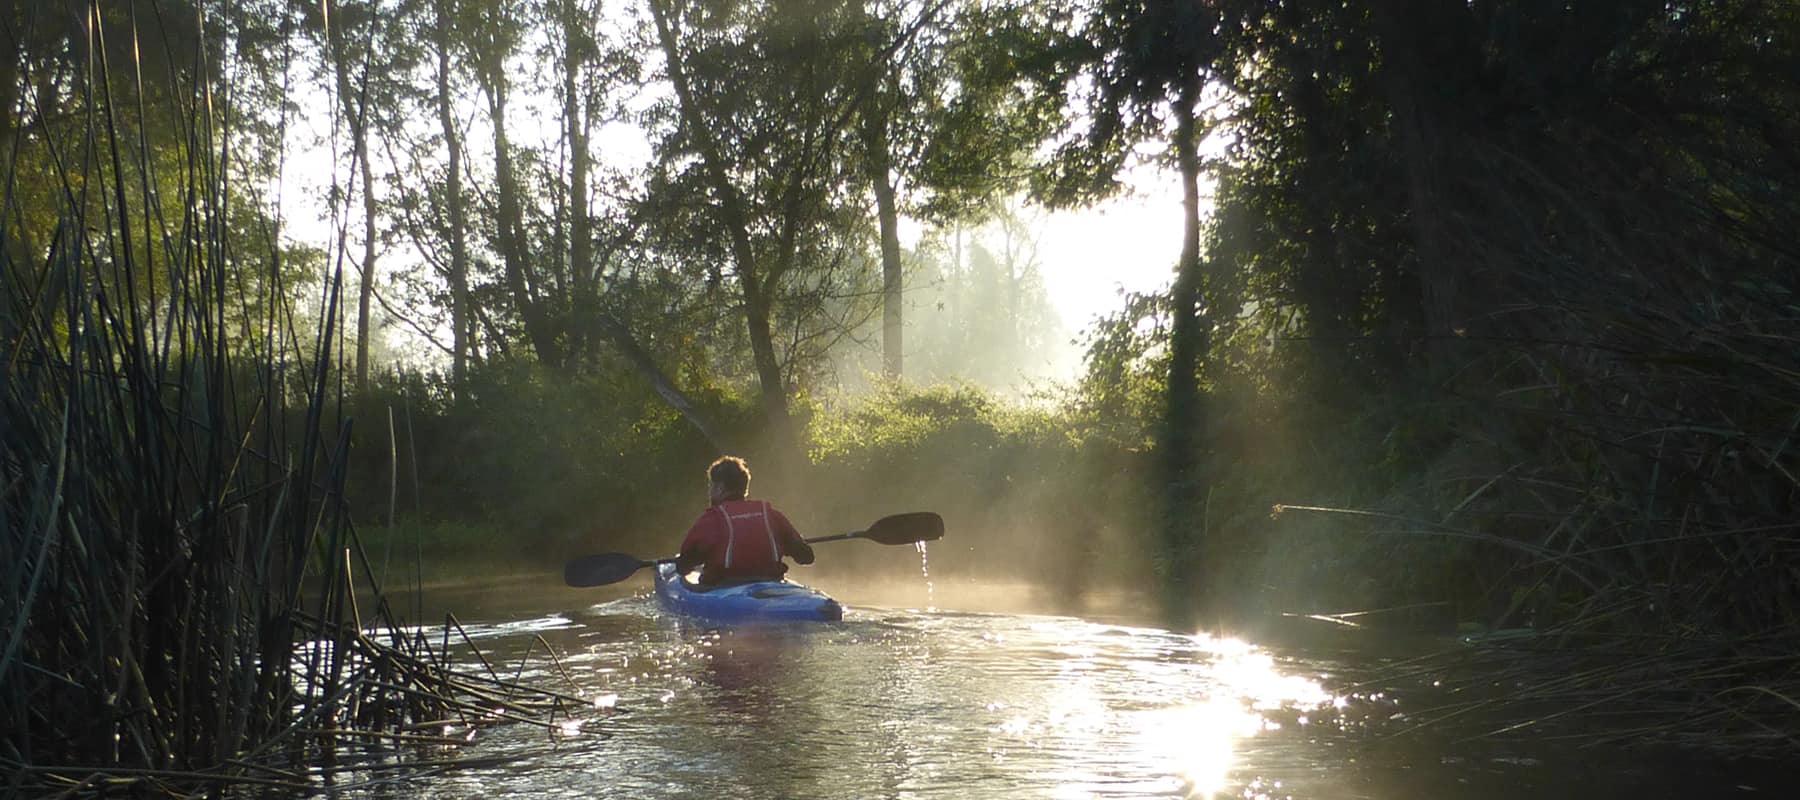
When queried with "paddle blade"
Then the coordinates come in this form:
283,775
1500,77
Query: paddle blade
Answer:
601,569
909,528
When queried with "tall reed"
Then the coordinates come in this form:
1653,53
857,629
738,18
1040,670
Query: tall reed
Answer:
178,605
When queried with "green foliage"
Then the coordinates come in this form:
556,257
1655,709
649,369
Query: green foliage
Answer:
534,470
1026,493
893,426
1121,392
967,114
564,463
1513,318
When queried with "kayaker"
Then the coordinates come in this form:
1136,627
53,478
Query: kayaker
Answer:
738,539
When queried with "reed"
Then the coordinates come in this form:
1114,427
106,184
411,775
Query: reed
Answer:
179,602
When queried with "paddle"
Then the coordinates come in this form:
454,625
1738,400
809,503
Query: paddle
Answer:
909,528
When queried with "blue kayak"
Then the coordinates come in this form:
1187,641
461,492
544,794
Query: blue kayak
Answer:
745,602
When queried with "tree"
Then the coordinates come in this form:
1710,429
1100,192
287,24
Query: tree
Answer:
1149,62
595,251
444,35
1462,216
67,61
365,56
981,312
762,105
495,42
944,127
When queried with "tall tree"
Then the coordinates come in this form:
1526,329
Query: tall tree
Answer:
444,36
762,104
944,126
579,51
493,49
1439,183
366,58
349,31
595,252
877,160
66,58
1149,62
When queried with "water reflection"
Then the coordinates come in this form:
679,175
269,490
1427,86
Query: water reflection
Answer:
1113,711
922,704
966,705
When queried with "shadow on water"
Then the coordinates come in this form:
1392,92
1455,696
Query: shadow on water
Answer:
909,701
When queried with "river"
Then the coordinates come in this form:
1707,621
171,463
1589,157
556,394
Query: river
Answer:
936,701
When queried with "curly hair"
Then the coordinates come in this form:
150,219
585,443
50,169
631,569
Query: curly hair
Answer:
732,473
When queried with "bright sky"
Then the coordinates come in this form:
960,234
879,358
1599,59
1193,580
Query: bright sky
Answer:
1129,244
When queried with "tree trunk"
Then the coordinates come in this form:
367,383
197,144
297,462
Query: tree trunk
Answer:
10,114
1323,288
355,104
461,321
366,287
735,220
1015,277
768,368
956,290
1184,426
511,230
581,250
1419,59
641,360
1328,295
875,141
12,118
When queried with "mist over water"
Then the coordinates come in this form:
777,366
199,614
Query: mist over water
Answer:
899,701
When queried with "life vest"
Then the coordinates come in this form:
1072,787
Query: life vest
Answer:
741,542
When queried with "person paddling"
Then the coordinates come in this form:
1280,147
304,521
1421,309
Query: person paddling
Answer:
737,539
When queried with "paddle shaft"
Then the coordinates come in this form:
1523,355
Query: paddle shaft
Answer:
605,568
836,537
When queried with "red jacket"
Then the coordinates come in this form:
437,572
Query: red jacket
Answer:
741,540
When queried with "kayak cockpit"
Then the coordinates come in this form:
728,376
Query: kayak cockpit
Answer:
778,600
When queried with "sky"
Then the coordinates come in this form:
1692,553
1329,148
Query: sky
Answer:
1090,256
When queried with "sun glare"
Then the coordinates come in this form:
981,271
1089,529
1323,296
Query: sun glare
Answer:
1173,725
1198,741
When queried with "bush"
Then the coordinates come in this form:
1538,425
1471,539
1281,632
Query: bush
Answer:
1023,494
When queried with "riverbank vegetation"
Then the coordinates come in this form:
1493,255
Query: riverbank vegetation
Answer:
1486,311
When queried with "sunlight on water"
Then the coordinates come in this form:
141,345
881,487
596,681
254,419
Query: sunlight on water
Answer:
1188,747
1251,674
1201,739
1197,742
898,702
894,703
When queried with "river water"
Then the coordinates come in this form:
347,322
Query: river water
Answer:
930,702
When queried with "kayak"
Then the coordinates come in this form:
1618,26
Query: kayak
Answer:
745,602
